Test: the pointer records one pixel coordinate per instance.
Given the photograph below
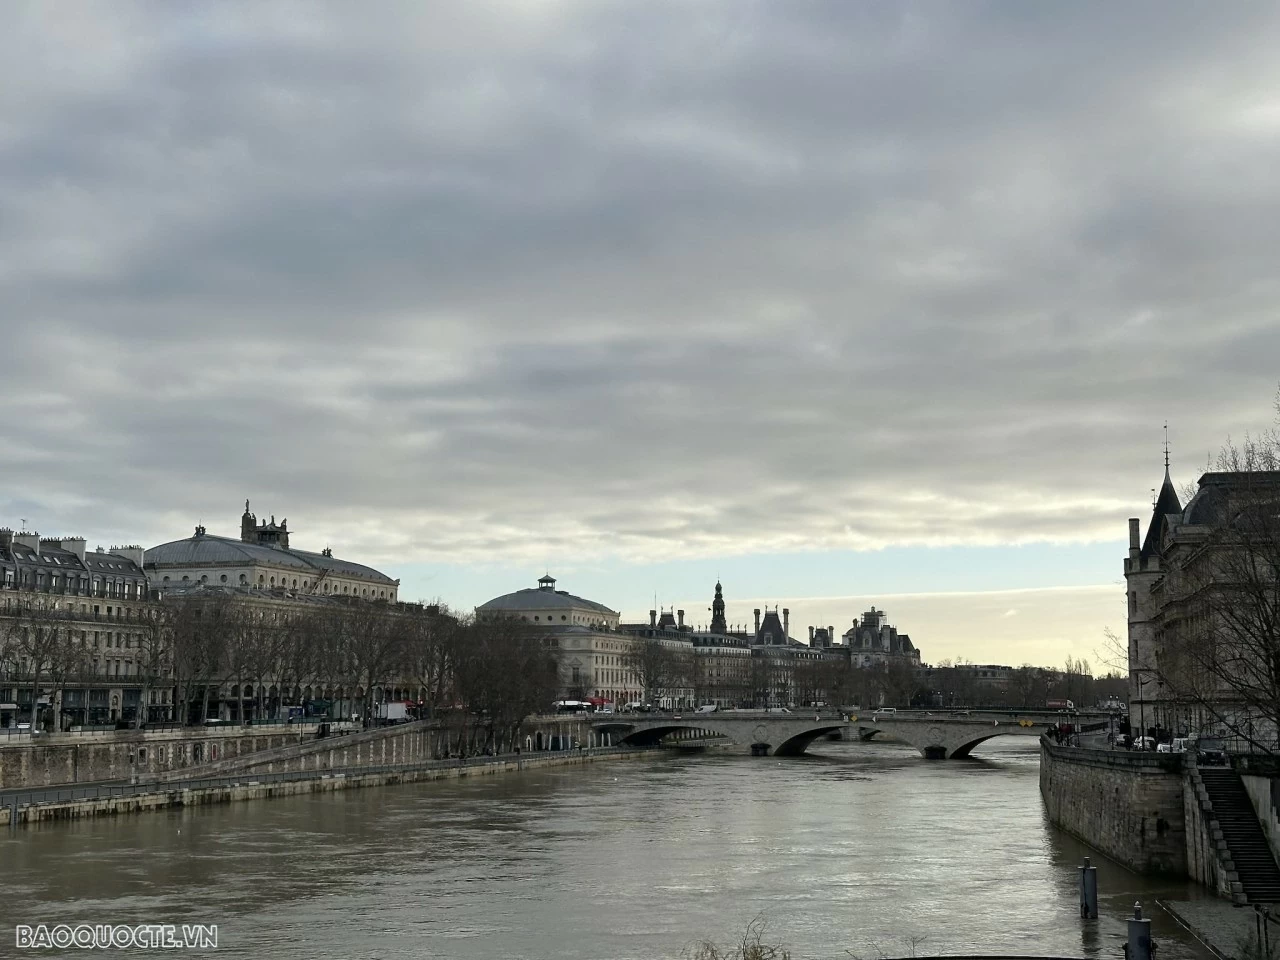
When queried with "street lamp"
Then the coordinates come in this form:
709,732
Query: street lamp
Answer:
1142,704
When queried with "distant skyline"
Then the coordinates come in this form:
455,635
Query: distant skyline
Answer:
845,303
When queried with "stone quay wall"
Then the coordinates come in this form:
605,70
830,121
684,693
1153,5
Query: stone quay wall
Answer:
1128,805
64,759
409,743
161,799
59,759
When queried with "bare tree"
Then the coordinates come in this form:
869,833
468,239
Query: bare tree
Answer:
656,666
155,653
38,644
374,641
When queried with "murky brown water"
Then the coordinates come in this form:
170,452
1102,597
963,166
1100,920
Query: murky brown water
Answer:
860,848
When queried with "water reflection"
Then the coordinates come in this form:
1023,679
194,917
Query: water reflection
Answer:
861,848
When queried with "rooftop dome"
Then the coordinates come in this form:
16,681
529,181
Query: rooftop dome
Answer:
542,597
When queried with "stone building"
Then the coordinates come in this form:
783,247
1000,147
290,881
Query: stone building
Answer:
591,648
80,620
262,559
874,641
1202,602
1143,569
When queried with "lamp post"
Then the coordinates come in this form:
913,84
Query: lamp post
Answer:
1142,704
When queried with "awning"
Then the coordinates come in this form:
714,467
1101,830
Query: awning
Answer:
8,706
598,701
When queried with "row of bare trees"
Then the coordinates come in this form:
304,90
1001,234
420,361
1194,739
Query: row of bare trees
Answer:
249,656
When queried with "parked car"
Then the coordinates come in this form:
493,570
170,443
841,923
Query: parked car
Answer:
708,708
1211,752
1144,743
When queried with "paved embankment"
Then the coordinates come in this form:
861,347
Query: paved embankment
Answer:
89,800
1227,930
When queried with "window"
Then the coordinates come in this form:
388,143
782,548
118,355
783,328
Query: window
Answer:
223,578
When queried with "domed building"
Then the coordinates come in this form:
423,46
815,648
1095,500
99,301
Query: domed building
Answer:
262,560
547,606
592,652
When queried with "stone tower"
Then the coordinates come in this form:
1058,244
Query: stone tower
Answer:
1142,570
717,612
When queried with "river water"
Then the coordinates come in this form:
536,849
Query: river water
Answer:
857,849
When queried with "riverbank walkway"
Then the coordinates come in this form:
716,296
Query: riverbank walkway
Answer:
1228,930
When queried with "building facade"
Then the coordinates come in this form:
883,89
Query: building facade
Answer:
591,650
76,634
1203,599
262,559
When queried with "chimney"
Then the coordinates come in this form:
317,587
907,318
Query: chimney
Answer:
757,621
29,540
1133,538
811,636
653,619
786,624
831,634
74,545
133,553
6,538
679,619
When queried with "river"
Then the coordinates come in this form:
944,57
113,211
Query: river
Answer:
855,850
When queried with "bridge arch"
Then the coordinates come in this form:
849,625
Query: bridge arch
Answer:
766,735
939,739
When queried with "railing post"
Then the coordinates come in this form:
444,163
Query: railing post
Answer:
1088,891
1139,946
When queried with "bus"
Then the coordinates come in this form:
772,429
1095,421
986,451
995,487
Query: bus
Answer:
574,706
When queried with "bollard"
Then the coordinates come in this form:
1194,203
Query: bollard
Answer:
1088,891
1139,946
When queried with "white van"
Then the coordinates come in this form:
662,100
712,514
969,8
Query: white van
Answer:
708,708
885,712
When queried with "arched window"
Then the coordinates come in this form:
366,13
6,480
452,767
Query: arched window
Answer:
223,578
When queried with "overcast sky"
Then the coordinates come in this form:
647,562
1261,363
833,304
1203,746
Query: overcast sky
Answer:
854,302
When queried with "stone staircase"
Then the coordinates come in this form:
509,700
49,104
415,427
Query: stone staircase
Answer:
1250,854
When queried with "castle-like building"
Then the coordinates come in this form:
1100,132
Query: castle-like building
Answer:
262,559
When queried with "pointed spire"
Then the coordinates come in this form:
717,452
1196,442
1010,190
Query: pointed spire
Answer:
1167,503
1166,451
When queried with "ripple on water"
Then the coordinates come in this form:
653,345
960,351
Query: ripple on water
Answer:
861,847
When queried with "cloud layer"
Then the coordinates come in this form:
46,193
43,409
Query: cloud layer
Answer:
450,281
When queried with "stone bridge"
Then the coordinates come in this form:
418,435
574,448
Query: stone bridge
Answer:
781,735
942,738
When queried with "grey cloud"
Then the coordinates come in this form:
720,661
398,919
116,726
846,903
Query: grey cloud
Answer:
593,278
